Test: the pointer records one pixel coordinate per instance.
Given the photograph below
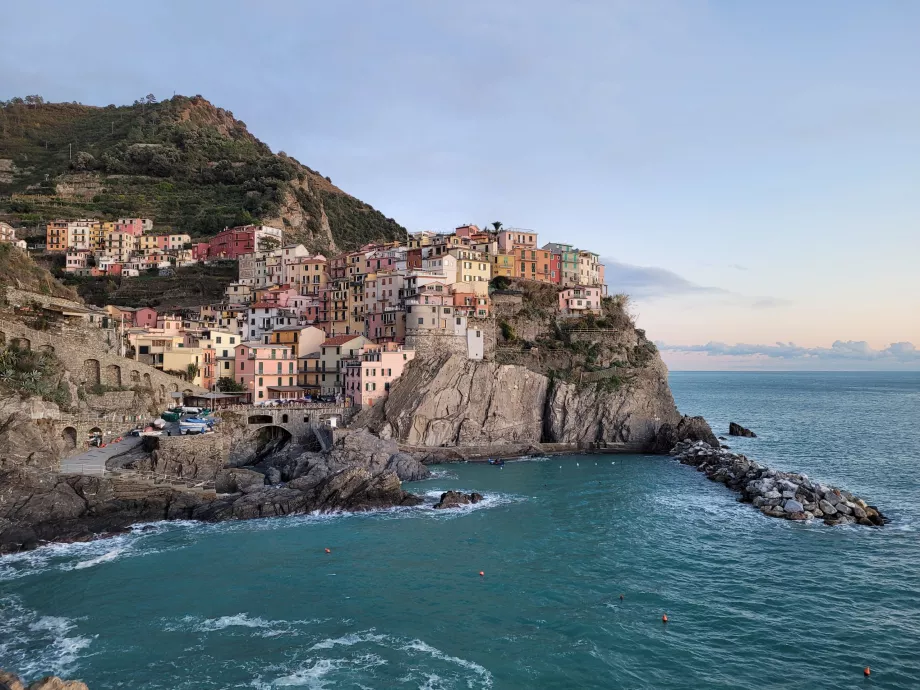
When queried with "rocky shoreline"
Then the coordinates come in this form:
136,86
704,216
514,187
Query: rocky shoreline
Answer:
778,494
13,682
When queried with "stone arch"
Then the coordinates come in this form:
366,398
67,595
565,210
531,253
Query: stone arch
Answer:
174,387
69,436
186,391
47,347
284,418
113,375
22,343
260,419
147,382
162,394
91,372
135,376
2,338
270,439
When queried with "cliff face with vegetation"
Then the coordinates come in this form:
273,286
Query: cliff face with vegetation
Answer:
183,162
593,382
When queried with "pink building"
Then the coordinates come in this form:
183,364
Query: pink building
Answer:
387,326
580,300
509,240
169,324
266,371
369,375
145,317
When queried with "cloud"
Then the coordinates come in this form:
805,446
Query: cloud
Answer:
649,282
840,351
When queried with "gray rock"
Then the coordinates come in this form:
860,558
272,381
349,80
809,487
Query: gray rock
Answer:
859,512
842,507
792,506
773,493
827,508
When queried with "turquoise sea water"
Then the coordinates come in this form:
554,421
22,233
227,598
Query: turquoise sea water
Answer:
399,603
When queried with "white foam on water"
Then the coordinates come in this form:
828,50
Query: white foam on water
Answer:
260,626
38,645
314,673
351,640
104,558
425,648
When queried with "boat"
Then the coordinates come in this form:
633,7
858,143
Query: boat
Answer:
194,425
496,462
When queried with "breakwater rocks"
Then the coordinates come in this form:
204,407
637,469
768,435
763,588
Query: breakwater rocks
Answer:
778,494
11,681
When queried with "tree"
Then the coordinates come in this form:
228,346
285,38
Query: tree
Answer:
191,371
150,99
501,283
497,225
226,384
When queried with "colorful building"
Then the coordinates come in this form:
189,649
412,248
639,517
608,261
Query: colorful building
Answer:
580,300
265,371
368,376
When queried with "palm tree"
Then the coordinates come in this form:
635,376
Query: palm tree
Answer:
497,225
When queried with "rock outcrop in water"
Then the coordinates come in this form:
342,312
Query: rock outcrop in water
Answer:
455,499
778,494
735,429
13,682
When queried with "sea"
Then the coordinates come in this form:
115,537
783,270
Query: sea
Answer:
558,579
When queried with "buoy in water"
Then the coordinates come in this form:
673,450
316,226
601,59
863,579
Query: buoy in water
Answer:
664,618
866,671
621,597
482,573
328,550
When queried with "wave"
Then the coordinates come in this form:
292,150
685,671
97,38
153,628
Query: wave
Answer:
261,626
37,645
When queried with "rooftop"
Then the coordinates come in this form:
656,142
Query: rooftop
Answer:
339,340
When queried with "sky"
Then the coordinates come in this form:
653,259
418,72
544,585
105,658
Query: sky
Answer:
749,170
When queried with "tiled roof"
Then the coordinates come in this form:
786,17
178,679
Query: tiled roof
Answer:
338,340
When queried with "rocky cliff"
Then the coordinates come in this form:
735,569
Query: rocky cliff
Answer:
594,382
13,682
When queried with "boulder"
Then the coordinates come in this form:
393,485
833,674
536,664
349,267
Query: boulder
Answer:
792,506
238,480
859,512
11,681
738,430
455,499
826,507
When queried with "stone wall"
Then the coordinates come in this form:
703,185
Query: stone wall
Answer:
188,457
90,366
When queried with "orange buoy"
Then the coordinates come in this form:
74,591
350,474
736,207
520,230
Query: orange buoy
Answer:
866,671
482,573
328,550
664,618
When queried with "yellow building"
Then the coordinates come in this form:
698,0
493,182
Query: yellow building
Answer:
179,360
308,276
472,267
503,265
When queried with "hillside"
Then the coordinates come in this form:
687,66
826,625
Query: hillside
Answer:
17,270
183,162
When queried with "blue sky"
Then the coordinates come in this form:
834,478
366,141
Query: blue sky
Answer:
750,169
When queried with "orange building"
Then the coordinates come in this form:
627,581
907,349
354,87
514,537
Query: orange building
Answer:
534,264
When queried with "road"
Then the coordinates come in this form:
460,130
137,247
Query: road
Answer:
93,461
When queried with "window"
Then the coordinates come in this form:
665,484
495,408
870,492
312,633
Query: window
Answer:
219,342
260,380
242,366
421,321
458,320
261,394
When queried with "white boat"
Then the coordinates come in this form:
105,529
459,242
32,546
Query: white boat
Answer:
159,423
193,425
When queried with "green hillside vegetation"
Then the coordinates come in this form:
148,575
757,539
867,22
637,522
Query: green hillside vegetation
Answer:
184,162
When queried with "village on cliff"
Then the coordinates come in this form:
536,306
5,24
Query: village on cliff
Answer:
302,326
